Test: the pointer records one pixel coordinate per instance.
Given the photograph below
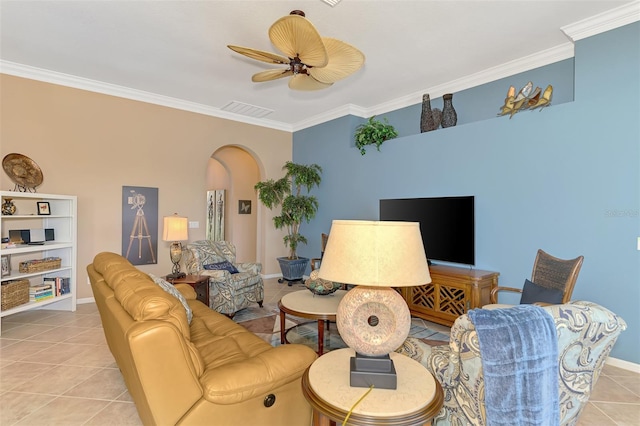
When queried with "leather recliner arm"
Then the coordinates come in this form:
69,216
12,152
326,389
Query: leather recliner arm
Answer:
157,347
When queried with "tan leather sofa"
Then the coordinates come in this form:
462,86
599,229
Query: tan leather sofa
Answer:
209,372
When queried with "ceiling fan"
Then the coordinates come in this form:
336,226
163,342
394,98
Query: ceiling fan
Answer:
313,62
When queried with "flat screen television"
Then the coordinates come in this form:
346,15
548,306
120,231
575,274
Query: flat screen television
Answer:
447,225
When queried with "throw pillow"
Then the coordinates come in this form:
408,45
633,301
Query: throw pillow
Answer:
532,293
169,288
220,266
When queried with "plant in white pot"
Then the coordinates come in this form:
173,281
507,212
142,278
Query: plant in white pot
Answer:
295,207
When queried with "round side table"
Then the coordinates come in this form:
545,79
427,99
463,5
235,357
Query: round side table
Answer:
325,384
305,304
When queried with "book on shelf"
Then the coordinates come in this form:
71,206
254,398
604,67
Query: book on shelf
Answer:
40,298
38,287
61,285
41,292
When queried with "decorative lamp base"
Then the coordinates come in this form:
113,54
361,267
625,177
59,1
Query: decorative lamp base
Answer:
378,371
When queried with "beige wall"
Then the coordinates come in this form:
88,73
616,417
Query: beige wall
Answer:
243,174
90,145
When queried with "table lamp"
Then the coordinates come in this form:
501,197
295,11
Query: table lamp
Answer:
373,318
175,230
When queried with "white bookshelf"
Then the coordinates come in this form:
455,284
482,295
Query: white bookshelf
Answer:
63,220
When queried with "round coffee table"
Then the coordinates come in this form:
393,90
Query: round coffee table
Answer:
305,304
325,385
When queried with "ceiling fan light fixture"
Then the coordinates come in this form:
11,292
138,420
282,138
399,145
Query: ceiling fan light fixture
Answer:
295,36
314,62
306,83
344,60
269,75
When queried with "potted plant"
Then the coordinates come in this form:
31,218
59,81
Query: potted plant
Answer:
373,132
295,207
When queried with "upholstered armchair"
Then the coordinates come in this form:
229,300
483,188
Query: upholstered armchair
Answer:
232,286
586,333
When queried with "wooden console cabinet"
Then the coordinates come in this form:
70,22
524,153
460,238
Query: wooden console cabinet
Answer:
451,293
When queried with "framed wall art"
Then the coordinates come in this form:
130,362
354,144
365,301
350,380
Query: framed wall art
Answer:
244,206
215,215
140,224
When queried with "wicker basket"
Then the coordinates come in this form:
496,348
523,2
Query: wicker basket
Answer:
14,293
38,265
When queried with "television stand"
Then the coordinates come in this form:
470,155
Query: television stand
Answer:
452,292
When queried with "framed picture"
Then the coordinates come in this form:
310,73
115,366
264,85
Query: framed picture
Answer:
140,224
244,206
215,215
6,266
43,208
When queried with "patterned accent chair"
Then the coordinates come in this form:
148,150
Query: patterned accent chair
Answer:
586,333
228,293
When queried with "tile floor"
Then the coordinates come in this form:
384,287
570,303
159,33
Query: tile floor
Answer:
56,369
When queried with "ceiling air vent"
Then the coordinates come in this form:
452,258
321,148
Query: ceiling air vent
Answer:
246,109
332,2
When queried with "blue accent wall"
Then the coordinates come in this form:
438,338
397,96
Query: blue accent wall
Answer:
565,179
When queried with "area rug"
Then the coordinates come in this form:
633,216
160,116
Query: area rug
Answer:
265,323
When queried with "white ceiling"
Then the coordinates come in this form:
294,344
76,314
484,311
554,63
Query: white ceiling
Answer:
174,52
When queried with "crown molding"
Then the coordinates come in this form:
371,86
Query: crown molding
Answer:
349,109
53,77
546,57
609,20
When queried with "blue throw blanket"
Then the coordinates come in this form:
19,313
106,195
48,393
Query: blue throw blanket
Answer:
519,350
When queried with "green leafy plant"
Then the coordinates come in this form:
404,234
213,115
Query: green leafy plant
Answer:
373,132
295,207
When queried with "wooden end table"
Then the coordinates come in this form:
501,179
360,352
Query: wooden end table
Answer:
305,304
325,385
200,284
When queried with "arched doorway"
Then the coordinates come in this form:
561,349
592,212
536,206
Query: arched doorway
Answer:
235,170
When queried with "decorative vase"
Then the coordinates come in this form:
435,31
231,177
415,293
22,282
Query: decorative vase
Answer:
8,208
426,118
449,115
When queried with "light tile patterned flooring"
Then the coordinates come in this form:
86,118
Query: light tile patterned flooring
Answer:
56,369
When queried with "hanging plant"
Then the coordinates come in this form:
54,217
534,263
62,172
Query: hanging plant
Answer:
373,132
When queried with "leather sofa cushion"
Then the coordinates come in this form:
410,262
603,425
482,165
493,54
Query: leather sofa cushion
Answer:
139,295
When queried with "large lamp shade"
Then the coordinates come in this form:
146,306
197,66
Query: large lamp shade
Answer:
176,229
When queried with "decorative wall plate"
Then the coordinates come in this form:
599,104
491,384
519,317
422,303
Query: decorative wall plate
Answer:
23,171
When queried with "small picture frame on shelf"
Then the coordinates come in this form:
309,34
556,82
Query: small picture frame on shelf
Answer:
43,208
6,266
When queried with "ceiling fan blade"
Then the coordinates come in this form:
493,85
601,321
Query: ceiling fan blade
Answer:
260,55
270,75
344,60
306,83
294,36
